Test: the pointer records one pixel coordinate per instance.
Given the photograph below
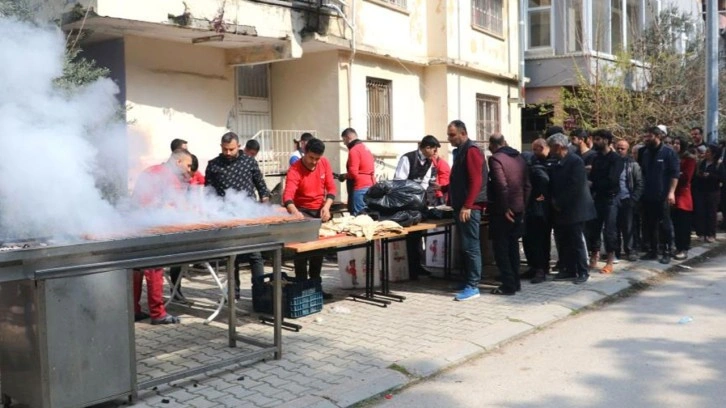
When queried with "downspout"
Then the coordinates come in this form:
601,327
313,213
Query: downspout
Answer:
350,64
520,75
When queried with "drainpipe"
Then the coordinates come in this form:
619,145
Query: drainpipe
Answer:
351,25
522,43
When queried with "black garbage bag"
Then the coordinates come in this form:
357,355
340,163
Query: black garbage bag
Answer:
391,196
405,218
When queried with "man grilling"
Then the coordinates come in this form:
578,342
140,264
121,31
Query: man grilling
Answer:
309,192
238,172
159,186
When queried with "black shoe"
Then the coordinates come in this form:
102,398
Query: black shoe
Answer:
140,316
529,274
236,294
327,296
502,291
539,277
168,319
665,259
650,256
581,279
564,277
681,255
632,257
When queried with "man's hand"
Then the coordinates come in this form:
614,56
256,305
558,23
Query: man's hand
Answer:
265,199
671,198
465,214
435,186
325,213
509,216
292,210
540,198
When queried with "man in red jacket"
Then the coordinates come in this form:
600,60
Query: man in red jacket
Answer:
159,186
309,192
360,166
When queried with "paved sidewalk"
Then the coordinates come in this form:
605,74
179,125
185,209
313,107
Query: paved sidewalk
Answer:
352,351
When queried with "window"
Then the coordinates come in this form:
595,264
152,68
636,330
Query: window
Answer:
539,23
634,22
601,26
487,116
487,15
616,26
573,25
379,108
252,81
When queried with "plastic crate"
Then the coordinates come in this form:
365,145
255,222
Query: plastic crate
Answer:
299,297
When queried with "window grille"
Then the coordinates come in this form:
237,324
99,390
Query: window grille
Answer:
379,108
488,15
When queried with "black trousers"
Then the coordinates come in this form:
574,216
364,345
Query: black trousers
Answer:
413,250
626,232
604,224
311,266
681,229
657,226
505,244
574,252
705,211
175,275
537,242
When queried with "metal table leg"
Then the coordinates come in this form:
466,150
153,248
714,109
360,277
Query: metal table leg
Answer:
231,302
369,295
385,275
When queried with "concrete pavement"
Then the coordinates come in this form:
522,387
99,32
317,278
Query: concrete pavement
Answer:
664,347
353,351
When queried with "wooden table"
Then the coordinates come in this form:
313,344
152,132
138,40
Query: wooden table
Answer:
341,242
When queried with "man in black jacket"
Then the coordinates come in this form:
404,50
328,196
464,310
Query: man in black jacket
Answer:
233,171
572,206
661,169
605,186
537,223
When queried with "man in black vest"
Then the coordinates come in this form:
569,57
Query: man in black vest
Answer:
468,196
416,166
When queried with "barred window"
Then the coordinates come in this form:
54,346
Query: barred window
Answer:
379,108
487,15
487,116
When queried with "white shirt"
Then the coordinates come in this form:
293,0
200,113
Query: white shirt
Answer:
404,167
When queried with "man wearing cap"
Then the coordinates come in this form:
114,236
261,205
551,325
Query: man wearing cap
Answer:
661,170
360,167
417,166
300,147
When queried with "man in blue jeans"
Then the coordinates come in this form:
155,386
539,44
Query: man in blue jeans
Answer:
467,194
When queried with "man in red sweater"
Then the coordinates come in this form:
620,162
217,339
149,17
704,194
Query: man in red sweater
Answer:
360,168
309,192
159,186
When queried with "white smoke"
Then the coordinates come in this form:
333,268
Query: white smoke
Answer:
56,146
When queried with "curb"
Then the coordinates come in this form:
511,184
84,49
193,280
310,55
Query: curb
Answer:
420,367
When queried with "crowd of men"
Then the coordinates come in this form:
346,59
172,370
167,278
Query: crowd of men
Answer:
604,201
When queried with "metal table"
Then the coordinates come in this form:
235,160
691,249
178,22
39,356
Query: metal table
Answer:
66,312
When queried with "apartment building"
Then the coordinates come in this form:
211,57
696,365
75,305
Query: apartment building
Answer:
566,40
395,70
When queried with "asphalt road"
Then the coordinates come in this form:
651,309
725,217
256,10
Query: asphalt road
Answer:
633,353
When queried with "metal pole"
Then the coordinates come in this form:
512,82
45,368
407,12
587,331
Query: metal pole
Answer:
711,125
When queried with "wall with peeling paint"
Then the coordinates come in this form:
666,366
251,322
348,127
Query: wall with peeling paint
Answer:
177,91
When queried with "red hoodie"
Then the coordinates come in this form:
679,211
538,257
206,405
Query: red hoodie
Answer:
308,189
360,166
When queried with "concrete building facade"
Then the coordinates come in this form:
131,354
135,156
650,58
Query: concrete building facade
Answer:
395,70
